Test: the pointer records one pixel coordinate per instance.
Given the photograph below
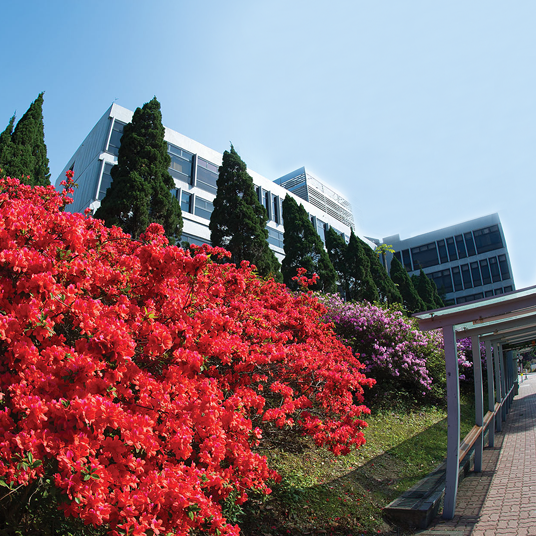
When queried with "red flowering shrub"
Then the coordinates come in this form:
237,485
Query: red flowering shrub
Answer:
136,378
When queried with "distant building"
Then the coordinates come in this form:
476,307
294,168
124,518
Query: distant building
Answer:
467,261
194,168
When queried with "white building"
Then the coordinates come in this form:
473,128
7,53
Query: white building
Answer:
194,168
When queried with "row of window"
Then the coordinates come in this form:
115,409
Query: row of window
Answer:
472,275
193,204
487,294
272,204
451,249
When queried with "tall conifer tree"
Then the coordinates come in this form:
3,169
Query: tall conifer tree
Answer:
25,155
360,282
304,249
238,221
387,290
411,299
140,192
427,290
336,247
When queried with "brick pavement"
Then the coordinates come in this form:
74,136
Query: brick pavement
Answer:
501,501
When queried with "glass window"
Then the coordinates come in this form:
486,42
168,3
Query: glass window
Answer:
486,274
106,180
469,242
494,268
475,272
275,209
207,175
186,202
508,288
457,278
488,293
259,193
203,208
442,251
320,229
466,276
398,257
425,256
442,280
180,167
452,249
275,237
498,291
267,203
115,137
460,246
503,265
488,239
407,260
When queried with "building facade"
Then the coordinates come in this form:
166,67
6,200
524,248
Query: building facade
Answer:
194,168
467,262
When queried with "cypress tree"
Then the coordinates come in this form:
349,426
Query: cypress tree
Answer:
26,155
140,192
427,290
336,247
6,149
360,282
304,249
238,221
387,290
411,299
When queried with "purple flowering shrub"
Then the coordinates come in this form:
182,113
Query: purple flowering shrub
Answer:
403,360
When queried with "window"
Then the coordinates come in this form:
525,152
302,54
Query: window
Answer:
203,208
494,268
451,249
457,278
275,209
106,180
498,291
207,175
424,256
469,242
398,257
503,265
508,288
275,237
180,167
488,239
442,251
486,274
466,276
488,293
115,137
460,246
442,280
267,203
407,260
186,202
321,229
475,272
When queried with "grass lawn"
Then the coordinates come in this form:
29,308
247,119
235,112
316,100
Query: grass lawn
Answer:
344,495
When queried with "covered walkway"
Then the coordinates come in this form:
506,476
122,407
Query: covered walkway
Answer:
501,499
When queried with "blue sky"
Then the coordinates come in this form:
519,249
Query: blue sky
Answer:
423,113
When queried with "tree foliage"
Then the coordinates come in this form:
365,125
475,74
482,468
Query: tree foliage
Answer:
137,379
427,291
304,249
361,285
238,221
336,247
23,153
140,192
412,302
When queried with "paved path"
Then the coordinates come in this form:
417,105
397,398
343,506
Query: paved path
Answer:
501,501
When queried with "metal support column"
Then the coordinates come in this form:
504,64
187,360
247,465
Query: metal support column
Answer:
491,393
479,401
453,422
